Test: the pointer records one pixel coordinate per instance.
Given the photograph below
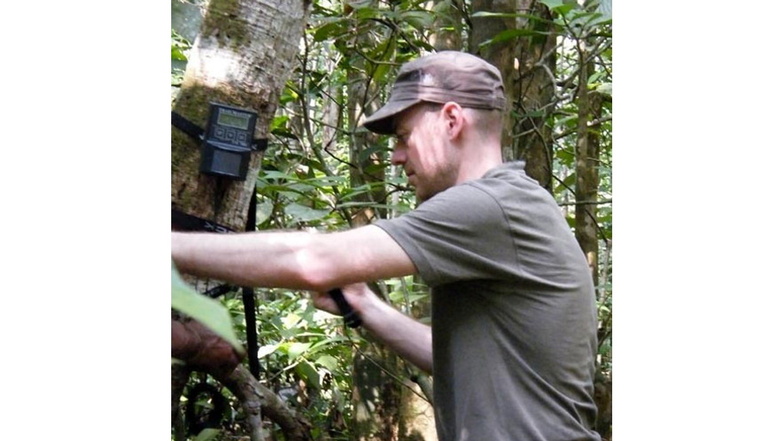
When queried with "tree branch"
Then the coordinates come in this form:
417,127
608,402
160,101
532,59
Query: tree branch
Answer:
258,400
563,204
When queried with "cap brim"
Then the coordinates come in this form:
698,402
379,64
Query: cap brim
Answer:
382,121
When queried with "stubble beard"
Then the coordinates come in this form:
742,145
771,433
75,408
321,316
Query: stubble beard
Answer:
445,178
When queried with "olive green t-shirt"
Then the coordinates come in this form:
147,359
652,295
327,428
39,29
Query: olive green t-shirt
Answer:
513,310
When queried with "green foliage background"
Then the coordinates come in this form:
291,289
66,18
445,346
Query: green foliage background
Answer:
306,355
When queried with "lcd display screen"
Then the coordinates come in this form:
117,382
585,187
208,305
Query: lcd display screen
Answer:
232,119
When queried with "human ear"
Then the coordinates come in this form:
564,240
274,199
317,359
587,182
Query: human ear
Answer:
454,117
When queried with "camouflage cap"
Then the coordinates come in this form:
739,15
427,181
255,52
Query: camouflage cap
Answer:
439,78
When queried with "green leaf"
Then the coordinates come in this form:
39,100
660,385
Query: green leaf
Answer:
399,296
290,321
267,350
178,54
605,9
510,34
279,122
308,372
263,210
274,174
368,152
305,214
202,308
363,10
328,362
294,349
552,3
330,30
418,19
605,89
207,434
559,6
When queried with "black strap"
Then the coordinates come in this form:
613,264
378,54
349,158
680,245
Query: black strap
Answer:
197,133
209,418
186,126
187,222
259,144
249,305
219,290
350,317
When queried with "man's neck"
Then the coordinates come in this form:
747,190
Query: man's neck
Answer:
477,161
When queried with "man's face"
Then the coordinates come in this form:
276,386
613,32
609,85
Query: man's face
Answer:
422,148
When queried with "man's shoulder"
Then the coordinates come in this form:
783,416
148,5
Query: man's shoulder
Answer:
508,181
507,172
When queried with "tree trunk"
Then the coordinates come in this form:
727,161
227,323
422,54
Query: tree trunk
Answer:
586,195
534,100
367,168
524,64
242,57
587,169
501,54
448,24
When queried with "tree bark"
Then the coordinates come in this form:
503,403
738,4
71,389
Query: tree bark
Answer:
586,194
258,401
362,97
448,24
587,168
242,57
524,64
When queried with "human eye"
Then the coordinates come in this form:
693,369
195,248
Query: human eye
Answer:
401,138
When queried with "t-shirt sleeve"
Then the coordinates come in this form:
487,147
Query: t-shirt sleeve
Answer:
459,234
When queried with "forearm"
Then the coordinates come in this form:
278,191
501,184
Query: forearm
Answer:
406,336
294,260
274,259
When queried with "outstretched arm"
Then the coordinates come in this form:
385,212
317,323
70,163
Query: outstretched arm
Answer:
316,262
295,260
409,338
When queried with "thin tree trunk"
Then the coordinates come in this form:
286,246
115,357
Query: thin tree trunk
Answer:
366,168
587,170
535,95
501,54
586,225
524,64
448,24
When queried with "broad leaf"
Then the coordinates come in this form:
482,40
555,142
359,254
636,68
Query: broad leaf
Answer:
207,434
202,308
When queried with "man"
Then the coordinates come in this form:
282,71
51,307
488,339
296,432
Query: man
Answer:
513,339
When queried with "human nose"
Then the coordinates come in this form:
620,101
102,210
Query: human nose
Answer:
398,156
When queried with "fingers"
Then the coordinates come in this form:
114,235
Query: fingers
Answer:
353,294
323,301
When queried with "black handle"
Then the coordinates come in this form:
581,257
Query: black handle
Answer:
350,316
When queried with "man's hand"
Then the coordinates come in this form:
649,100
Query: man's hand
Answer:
358,295
406,336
